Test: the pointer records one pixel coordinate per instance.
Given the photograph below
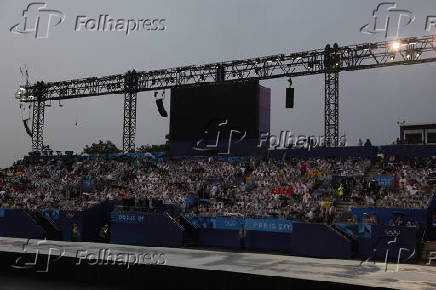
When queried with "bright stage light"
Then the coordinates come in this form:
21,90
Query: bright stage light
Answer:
396,45
20,94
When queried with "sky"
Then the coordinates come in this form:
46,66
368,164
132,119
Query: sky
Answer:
199,32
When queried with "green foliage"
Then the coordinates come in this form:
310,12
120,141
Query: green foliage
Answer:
101,148
156,148
152,148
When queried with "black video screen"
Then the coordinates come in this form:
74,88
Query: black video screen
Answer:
197,110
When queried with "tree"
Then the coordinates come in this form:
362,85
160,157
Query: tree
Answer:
143,148
101,148
152,148
156,148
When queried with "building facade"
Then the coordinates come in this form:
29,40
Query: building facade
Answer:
418,133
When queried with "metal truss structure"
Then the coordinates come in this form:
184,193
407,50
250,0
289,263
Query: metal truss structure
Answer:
329,61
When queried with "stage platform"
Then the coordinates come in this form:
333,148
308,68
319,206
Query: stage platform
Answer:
408,276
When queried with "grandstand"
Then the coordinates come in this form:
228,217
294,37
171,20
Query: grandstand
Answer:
354,205
224,203
315,189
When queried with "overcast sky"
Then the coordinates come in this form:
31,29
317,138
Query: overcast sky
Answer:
203,31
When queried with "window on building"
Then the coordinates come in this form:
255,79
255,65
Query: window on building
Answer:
431,138
413,138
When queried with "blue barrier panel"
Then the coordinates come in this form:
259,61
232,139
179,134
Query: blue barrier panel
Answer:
201,222
351,230
87,223
170,209
364,250
388,239
218,238
355,231
365,231
320,241
254,240
269,225
280,226
228,223
145,230
384,180
356,151
52,214
94,218
18,224
127,228
264,240
247,147
325,152
409,150
128,218
68,221
133,155
387,214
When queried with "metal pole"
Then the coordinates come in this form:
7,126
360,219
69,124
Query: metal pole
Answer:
129,121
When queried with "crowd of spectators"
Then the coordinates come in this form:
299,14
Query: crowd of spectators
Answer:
294,189
410,189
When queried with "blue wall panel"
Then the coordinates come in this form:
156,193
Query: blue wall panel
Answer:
318,240
18,224
388,240
145,230
260,240
219,238
393,238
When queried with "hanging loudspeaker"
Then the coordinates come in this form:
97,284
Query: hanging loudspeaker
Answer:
26,126
289,98
160,108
